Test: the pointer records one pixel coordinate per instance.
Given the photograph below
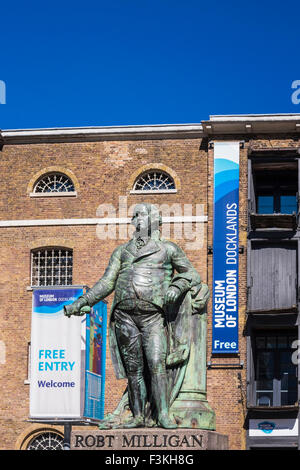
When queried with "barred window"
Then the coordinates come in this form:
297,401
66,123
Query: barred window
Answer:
54,183
154,180
51,267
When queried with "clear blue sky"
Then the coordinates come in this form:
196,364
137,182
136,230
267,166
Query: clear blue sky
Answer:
120,62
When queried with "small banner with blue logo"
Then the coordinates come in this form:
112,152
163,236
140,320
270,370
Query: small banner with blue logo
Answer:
67,367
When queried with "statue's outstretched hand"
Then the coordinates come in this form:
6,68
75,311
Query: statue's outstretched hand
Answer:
173,293
72,309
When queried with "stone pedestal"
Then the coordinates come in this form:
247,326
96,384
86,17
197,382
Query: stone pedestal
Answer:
193,413
149,439
191,408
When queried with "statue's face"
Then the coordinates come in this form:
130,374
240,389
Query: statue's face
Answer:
141,218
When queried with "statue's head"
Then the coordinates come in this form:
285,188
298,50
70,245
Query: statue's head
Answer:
146,218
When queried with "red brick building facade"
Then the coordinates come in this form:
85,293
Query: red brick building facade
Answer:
104,164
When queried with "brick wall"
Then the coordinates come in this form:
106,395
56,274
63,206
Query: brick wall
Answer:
104,171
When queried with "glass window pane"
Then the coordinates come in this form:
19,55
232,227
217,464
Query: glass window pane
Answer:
284,381
265,204
264,399
271,342
282,342
154,180
55,182
291,340
265,366
286,364
260,342
288,382
288,398
284,398
288,204
263,385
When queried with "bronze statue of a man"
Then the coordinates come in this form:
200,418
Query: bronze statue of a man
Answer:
142,274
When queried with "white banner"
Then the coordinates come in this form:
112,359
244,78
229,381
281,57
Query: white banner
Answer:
55,379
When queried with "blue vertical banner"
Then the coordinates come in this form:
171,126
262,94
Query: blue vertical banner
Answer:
95,361
225,248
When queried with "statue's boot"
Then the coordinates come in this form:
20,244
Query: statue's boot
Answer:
135,422
105,425
166,422
137,395
159,386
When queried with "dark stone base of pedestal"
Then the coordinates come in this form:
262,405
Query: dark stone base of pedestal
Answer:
148,439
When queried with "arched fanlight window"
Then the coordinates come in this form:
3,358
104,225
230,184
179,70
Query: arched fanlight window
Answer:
154,180
51,267
46,441
54,183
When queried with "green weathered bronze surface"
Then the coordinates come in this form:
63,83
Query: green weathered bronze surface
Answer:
157,332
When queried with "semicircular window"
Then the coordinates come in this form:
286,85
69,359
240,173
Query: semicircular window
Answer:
54,183
154,180
46,441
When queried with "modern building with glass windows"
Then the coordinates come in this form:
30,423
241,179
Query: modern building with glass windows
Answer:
66,198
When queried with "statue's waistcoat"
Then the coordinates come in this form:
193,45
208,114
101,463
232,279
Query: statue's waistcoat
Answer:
145,275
